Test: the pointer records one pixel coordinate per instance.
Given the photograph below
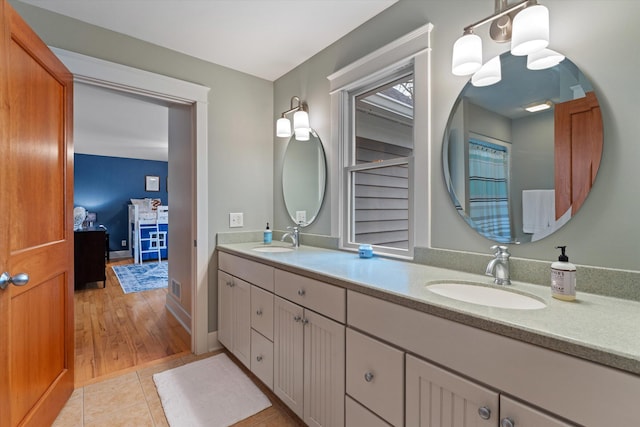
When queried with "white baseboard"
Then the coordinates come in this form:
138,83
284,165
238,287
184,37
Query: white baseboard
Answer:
212,341
181,315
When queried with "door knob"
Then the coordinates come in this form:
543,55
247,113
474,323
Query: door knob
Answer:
20,279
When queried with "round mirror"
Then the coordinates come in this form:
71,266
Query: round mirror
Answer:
521,155
304,175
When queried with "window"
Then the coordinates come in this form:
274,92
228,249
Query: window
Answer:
379,172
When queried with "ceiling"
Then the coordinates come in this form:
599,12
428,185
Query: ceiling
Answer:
264,38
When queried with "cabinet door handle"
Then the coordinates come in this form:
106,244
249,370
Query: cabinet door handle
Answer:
259,358
20,279
297,318
301,292
507,422
368,376
259,312
484,412
305,321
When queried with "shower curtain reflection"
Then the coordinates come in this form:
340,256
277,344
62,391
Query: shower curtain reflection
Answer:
489,190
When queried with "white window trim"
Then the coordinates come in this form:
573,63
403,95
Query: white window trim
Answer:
412,49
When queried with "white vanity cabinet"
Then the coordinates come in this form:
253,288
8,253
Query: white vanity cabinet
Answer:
309,348
245,313
234,316
562,386
435,396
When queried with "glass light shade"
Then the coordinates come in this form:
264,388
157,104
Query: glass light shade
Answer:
530,30
489,74
302,134
467,55
300,120
283,127
545,58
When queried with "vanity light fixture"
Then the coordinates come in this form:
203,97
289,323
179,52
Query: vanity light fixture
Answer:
539,106
300,121
525,24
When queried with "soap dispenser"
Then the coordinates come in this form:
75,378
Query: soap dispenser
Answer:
267,236
563,277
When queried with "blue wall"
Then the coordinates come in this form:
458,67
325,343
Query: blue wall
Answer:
105,185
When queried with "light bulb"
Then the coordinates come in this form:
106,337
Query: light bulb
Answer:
489,74
545,58
283,127
530,30
300,120
467,55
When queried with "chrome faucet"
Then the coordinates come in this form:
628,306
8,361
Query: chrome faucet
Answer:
498,267
294,236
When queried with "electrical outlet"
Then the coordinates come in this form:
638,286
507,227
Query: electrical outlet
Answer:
235,220
124,243
301,217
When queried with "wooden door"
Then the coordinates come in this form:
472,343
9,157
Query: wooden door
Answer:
36,228
578,150
288,353
324,355
435,397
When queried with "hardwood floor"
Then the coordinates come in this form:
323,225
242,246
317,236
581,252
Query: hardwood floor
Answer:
116,332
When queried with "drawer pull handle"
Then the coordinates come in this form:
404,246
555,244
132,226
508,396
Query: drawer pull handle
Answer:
484,412
368,376
297,318
259,312
301,292
259,358
507,422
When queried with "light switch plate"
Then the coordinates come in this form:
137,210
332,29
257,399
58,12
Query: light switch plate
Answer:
235,220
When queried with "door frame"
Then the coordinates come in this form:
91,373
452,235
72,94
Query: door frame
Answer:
98,72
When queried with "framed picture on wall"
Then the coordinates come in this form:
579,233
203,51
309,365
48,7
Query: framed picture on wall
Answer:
151,183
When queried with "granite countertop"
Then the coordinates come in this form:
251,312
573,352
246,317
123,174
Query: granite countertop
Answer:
601,329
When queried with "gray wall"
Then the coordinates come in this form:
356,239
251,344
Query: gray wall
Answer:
239,177
599,36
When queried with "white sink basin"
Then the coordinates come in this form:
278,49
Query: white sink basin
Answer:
485,295
272,249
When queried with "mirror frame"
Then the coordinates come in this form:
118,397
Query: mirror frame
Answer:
578,89
290,205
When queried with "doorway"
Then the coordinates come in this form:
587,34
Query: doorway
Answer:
188,128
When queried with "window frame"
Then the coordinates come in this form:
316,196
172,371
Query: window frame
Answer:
412,50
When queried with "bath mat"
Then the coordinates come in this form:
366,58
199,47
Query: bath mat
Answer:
141,277
212,392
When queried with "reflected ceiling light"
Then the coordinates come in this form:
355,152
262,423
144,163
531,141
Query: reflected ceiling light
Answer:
300,121
539,106
489,74
529,31
545,58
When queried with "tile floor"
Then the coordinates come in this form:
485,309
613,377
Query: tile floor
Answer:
131,399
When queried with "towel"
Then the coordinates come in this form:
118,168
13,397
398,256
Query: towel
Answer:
538,210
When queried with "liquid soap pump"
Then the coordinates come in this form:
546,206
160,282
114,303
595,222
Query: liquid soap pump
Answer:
563,277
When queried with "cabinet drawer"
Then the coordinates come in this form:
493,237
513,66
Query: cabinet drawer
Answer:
262,358
323,298
358,415
375,376
253,272
262,311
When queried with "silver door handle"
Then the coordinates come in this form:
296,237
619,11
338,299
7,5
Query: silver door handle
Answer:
20,279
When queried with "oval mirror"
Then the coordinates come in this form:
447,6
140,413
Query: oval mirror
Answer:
520,156
304,175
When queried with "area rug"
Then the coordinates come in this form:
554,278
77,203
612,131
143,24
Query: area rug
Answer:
212,392
141,277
